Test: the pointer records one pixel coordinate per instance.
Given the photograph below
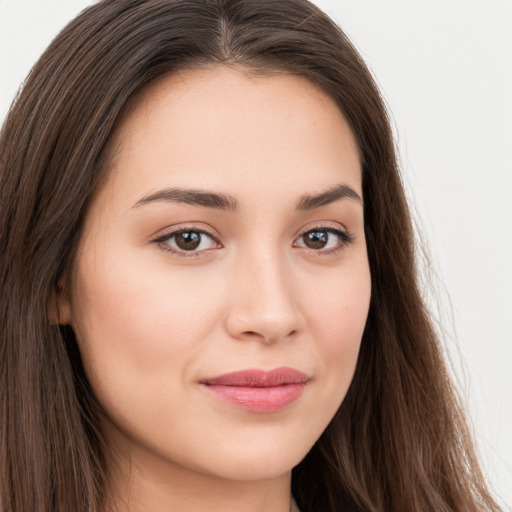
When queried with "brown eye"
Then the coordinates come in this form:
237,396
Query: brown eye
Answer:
192,241
316,239
188,240
324,239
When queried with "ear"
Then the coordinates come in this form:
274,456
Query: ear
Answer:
59,311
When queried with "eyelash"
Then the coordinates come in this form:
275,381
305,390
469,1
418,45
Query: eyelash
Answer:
345,239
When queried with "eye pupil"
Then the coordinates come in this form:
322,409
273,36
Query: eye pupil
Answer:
188,240
316,239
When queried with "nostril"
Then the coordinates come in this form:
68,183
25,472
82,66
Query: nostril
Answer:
267,339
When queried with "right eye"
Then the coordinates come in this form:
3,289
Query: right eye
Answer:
190,241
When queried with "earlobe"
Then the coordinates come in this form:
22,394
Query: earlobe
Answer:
59,311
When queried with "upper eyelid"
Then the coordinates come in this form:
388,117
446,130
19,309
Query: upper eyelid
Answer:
347,237
326,225
170,232
174,230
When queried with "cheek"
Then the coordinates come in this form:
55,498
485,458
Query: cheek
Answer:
141,330
338,316
124,298
339,307
134,321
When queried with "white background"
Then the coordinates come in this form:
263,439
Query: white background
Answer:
445,69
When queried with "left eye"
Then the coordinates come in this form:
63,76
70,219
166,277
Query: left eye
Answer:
188,241
318,239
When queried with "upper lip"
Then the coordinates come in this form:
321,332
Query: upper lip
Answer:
259,378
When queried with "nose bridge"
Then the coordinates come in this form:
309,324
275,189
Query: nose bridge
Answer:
263,303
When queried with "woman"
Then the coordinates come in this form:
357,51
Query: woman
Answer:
209,293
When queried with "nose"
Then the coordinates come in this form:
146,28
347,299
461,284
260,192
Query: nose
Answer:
263,303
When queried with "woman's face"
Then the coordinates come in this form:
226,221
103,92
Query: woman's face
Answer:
221,287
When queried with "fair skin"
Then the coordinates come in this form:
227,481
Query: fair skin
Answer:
274,274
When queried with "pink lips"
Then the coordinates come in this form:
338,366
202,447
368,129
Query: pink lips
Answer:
259,390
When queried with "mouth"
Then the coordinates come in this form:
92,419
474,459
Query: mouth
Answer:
258,390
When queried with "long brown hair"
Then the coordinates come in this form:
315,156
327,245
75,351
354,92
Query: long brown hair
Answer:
399,440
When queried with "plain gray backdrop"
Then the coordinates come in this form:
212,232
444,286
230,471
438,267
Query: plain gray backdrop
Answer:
445,70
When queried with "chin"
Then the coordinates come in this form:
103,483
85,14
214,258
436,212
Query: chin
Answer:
259,460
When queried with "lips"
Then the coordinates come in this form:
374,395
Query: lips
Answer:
258,390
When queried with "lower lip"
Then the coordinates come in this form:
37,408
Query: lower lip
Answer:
258,399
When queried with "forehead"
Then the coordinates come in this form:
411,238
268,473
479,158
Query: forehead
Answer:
218,123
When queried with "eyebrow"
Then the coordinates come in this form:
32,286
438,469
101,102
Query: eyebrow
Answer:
193,197
226,202
336,193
